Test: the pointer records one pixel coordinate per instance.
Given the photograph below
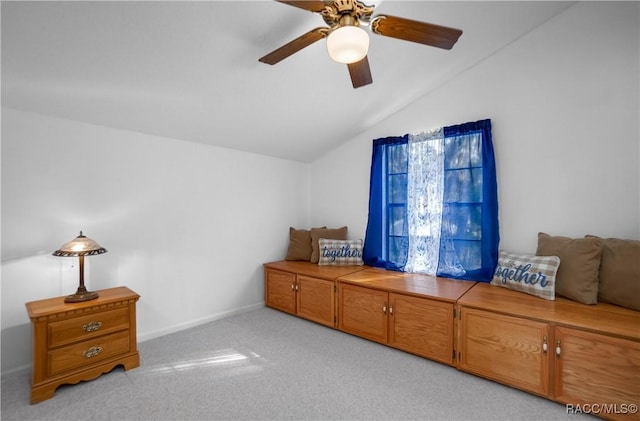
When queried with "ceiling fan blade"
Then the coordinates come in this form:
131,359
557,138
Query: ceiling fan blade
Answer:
360,73
312,6
411,30
294,46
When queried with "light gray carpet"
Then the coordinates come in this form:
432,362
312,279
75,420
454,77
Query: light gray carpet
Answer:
267,365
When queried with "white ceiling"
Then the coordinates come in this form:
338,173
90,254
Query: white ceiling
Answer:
190,70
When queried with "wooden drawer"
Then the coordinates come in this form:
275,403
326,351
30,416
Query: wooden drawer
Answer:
87,352
85,327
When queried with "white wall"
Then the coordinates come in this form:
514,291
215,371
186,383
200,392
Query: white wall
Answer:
563,101
186,226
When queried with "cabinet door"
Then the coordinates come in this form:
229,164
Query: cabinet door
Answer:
422,326
316,300
505,349
596,369
279,290
363,312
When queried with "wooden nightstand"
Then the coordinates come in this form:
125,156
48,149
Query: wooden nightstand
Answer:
80,341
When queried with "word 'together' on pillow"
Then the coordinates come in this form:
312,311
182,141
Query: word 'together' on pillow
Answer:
619,281
535,275
328,233
299,244
340,252
578,274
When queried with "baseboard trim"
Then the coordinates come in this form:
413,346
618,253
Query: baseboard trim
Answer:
193,323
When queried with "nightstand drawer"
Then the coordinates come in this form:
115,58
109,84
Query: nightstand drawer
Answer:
84,327
87,352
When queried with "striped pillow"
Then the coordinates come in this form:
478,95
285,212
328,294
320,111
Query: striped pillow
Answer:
340,252
535,275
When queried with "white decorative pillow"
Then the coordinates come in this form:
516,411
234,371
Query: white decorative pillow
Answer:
339,252
535,275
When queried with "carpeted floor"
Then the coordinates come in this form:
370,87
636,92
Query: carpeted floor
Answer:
267,365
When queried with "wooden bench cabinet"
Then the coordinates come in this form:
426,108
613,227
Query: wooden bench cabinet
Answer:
304,289
413,313
566,351
79,341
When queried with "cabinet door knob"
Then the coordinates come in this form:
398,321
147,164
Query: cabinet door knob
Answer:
384,309
545,346
558,348
92,352
390,309
92,326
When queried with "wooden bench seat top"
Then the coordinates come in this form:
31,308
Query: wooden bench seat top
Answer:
409,283
312,269
601,317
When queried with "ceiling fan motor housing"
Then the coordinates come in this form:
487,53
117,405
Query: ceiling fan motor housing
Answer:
335,13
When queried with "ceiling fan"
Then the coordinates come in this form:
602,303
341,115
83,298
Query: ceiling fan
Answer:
348,43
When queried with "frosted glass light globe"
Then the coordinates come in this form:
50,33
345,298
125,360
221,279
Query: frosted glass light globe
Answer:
348,44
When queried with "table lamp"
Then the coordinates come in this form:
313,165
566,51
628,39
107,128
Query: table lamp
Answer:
80,246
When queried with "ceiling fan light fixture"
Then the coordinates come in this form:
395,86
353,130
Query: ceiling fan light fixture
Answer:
348,44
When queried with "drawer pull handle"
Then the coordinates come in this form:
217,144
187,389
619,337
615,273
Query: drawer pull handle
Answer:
92,352
92,326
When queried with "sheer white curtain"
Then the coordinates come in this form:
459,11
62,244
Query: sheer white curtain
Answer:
425,192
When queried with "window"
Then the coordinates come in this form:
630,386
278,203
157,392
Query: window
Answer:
433,203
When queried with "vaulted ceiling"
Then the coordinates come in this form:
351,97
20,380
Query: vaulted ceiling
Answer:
190,70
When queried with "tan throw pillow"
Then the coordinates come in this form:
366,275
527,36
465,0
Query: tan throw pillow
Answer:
299,244
328,233
577,277
620,272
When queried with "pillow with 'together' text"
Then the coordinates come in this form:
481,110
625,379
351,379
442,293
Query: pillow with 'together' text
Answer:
535,275
339,252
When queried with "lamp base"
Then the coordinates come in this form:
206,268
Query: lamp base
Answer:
79,297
